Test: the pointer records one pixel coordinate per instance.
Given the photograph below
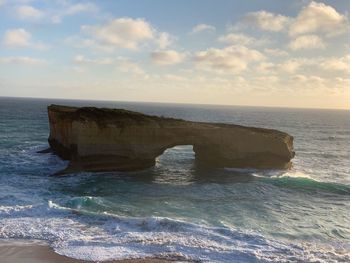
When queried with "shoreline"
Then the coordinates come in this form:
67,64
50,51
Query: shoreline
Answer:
39,252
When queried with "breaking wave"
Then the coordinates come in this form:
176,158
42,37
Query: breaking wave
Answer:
92,236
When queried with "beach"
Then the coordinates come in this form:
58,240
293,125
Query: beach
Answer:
36,252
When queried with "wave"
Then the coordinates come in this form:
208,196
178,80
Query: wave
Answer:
302,181
310,184
292,179
99,237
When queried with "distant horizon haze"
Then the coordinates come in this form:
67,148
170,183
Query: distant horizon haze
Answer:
172,103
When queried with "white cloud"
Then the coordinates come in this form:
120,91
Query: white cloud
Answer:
72,9
167,57
291,66
341,83
300,78
123,32
55,13
202,27
266,67
336,64
267,79
81,8
287,66
266,21
318,17
127,66
20,38
276,52
241,39
331,65
127,33
17,38
310,81
80,59
164,40
22,61
27,12
237,38
307,42
173,77
232,58
79,42
314,18
124,65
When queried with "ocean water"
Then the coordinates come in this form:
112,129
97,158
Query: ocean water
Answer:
176,210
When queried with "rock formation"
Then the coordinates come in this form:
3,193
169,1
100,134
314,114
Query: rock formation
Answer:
99,139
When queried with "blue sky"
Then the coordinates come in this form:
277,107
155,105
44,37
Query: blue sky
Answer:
293,53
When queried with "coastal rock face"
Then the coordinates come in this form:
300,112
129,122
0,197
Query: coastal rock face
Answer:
99,139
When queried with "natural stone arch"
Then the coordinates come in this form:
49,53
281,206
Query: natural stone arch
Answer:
106,140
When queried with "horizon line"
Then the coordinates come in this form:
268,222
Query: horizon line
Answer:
179,103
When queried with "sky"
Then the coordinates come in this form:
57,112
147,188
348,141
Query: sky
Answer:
290,53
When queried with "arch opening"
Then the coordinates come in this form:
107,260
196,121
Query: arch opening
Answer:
176,165
176,156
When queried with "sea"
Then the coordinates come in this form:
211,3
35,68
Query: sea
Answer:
177,210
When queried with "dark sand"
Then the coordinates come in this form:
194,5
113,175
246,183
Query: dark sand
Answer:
39,253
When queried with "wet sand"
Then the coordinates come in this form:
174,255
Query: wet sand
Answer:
40,253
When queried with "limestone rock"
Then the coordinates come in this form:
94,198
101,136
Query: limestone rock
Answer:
100,139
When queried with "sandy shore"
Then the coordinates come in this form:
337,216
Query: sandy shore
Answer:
11,252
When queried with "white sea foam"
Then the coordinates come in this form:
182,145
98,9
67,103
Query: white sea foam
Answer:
10,209
270,173
294,174
103,237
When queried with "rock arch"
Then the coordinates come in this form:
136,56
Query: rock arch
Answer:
99,139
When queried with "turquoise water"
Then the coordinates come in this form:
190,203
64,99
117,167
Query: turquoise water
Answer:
177,210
